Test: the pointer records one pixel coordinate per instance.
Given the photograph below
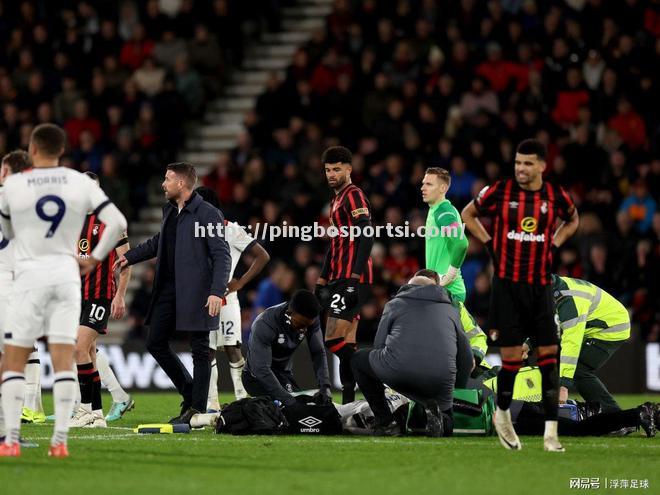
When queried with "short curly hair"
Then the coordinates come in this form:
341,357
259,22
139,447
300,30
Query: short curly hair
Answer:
337,154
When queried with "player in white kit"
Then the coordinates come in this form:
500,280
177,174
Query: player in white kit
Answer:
13,162
42,210
229,333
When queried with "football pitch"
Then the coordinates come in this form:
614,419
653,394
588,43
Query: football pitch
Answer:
117,461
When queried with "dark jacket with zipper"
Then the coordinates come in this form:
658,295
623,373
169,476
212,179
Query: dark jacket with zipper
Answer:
420,345
201,264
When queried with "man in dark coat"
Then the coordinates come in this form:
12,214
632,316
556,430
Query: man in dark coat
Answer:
192,271
421,351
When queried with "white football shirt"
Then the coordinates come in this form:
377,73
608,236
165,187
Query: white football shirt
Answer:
238,240
46,209
6,255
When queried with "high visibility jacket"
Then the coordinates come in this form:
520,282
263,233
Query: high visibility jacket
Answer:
585,311
474,333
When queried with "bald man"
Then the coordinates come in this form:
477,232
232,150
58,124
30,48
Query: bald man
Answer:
421,351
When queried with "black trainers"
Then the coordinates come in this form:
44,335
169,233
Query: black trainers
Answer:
184,419
184,407
646,418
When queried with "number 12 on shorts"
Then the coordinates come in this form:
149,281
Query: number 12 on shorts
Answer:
226,327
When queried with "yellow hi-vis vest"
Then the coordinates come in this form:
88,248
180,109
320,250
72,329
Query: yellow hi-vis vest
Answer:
474,333
585,312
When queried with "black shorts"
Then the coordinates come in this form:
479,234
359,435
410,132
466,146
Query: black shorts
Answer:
336,305
519,310
95,313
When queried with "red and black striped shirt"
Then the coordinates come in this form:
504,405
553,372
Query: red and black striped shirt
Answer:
100,282
349,207
523,227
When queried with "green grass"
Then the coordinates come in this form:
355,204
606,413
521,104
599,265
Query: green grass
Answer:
117,461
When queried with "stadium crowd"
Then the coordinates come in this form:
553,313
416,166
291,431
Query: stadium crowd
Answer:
405,85
411,84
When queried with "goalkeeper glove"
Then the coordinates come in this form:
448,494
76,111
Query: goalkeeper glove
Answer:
448,277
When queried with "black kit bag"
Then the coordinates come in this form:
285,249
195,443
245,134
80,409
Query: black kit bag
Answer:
251,416
312,419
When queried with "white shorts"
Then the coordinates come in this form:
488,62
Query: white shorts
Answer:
229,333
4,306
52,311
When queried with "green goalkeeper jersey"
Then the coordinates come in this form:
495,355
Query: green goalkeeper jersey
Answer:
446,244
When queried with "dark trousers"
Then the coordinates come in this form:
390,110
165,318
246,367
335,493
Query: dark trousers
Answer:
371,386
256,389
593,355
531,421
195,389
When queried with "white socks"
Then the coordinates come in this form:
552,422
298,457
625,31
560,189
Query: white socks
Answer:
550,429
2,414
212,402
109,379
236,370
64,393
33,383
13,391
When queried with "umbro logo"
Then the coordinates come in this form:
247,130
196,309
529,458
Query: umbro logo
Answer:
310,421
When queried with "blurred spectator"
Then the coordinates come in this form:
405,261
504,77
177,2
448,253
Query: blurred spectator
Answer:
149,77
629,125
81,121
136,49
399,265
640,207
275,288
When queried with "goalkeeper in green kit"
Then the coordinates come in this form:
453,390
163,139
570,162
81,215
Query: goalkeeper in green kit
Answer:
446,246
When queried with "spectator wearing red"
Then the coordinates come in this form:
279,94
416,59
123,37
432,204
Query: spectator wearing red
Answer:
500,73
570,99
136,49
80,122
629,125
324,78
399,265
220,178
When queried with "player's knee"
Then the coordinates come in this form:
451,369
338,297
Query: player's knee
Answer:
233,353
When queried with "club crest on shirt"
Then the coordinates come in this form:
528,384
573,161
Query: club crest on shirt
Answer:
95,230
513,205
280,339
544,207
